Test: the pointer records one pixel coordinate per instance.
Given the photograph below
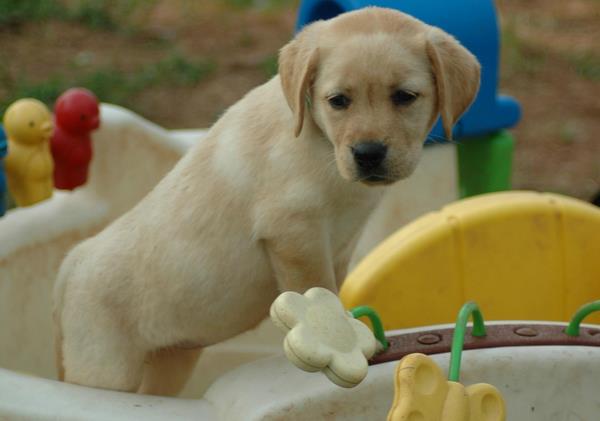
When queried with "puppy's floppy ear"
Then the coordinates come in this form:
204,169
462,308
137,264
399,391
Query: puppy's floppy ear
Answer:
298,62
456,72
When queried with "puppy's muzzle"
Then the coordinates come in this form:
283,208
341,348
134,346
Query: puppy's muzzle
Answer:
369,157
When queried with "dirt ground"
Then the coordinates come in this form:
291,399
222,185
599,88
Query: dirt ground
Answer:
550,63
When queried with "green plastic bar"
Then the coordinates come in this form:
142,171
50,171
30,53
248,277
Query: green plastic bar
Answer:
582,313
378,331
458,339
485,163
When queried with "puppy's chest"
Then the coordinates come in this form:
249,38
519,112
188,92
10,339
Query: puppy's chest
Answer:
345,225
340,212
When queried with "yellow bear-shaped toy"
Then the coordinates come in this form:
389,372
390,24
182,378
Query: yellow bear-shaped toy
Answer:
423,394
29,166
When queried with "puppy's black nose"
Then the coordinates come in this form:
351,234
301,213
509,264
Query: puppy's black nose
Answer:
369,155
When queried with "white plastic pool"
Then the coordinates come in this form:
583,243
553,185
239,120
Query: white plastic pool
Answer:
246,378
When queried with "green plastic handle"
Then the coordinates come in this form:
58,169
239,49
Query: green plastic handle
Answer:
378,331
582,313
458,339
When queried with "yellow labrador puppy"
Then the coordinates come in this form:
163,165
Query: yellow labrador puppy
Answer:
272,199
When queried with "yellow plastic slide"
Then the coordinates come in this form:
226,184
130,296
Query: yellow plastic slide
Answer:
519,255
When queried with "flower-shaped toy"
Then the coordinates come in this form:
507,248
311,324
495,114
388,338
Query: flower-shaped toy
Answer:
323,336
422,393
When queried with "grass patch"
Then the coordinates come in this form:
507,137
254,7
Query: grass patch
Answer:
587,65
259,4
177,70
517,55
110,85
93,13
47,92
569,131
16,12
270,65
96,14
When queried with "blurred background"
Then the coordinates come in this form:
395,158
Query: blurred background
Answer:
182,63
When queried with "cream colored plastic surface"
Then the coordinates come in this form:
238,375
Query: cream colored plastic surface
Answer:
520,255
537,383
422,393
131,155
322,336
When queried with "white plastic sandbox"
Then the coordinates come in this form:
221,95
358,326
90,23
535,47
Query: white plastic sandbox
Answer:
245,378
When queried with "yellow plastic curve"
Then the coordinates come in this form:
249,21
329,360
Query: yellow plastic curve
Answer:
519,255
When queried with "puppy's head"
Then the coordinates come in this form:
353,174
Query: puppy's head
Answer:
374,82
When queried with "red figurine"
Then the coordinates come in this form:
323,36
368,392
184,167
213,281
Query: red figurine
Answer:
76,114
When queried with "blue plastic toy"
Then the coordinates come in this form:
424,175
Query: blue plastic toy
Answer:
3,151
474,24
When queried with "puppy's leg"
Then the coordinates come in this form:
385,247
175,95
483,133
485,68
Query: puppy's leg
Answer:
342,264
168,370
99,353
58,344
301,256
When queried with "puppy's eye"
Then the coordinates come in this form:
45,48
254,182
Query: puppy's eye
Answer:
401,97
339,102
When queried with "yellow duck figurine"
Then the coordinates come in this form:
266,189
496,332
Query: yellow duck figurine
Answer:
28,165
